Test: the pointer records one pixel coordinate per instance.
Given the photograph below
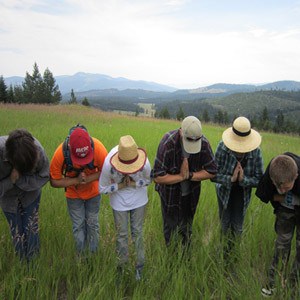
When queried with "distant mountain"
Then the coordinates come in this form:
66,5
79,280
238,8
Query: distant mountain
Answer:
80,82
14,80
101,86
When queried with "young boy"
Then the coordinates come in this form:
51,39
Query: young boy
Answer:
281,186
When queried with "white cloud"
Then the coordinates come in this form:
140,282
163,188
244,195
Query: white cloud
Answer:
145,40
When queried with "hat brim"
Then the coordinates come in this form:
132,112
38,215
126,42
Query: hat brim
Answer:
82,161
191,147
132,167
241,144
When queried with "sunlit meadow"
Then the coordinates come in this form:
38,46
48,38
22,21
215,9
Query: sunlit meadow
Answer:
57,274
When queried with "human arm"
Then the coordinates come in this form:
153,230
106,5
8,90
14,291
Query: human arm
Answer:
56,168
266,190
206,165
64,182
253,171
174,178
226,165
143,177
110,180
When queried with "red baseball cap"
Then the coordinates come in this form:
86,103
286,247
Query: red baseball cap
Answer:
81,147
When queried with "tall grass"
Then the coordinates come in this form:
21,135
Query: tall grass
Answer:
169,274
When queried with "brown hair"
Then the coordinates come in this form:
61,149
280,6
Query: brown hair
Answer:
21,150
283,169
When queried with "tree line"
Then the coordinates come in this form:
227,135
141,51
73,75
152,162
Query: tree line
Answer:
281,124
43,89
35,89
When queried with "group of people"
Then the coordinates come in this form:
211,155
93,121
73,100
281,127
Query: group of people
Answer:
83,167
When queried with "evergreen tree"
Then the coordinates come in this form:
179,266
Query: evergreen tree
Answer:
3,90
225,117
50,91
180,114
264,119
205,116
33,86
219,117
18,94
164,113
10,94
73,99
85,102
279,123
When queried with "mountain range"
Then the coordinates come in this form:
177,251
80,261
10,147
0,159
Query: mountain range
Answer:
99,85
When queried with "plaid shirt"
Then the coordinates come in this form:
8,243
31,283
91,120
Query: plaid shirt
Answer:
226,161
168,161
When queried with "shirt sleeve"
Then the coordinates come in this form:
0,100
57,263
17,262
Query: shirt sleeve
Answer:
162,159
100,154
56,164
144,179
222,176
208,159
265,189
105,182
252,181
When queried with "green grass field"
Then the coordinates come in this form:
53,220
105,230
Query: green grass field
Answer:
56,274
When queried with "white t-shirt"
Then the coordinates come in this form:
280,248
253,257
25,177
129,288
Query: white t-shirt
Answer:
126,198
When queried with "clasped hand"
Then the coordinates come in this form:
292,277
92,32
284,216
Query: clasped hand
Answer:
184,169
238,173
14,175
127,181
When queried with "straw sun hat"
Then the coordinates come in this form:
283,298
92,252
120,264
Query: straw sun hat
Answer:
129,158
240,137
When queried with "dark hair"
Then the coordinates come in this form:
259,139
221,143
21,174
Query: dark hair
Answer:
283,169
21,150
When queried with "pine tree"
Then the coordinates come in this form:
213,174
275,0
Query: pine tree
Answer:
180,114
33,86
164,113
279,123
51,92
205,116
85,102
73,99
3,90
11,94
18,94
264,119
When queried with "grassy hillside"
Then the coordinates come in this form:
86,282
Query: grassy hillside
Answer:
252,104
57,275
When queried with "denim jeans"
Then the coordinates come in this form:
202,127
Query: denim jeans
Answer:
232,218
85,220
136,225
24,229
287,222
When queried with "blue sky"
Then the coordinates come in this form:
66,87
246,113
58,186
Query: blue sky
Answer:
182,43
